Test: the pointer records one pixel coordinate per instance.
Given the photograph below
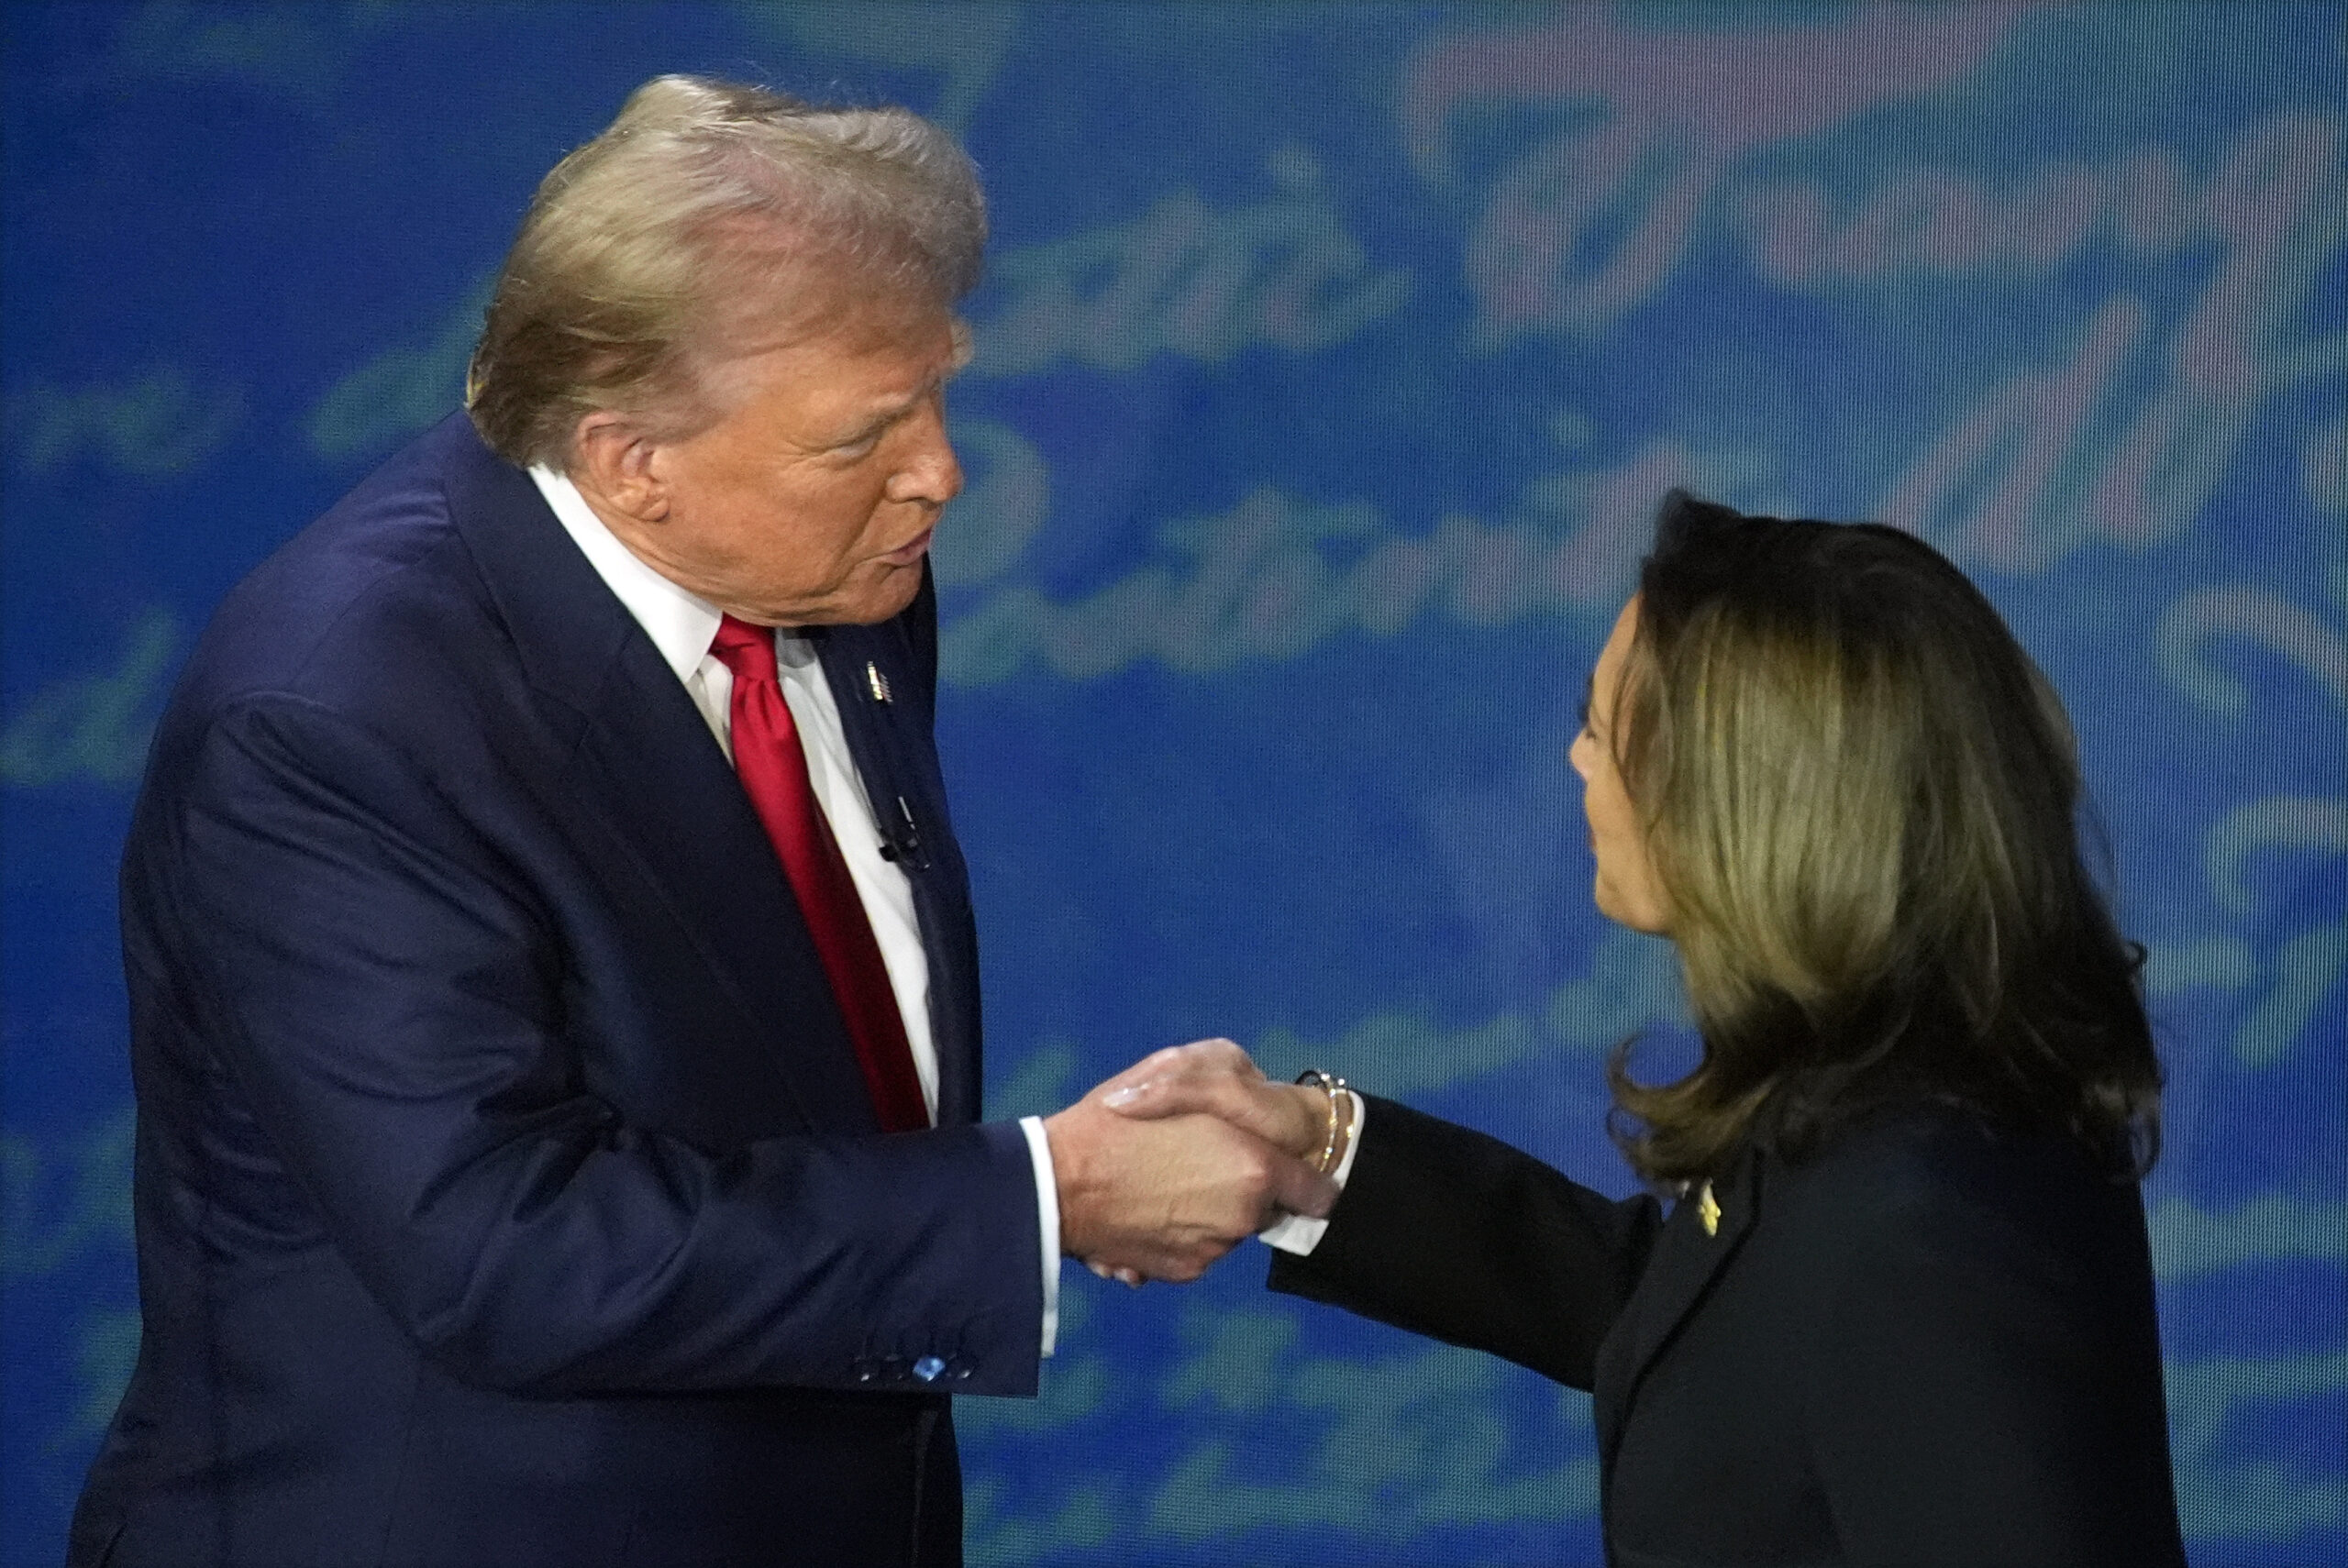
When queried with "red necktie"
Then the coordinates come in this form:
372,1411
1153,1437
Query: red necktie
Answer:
773,767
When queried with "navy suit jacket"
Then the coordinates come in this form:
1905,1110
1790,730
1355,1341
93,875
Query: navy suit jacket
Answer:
507,1191
1933,1344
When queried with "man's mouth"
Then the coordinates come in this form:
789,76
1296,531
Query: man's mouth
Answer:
906,554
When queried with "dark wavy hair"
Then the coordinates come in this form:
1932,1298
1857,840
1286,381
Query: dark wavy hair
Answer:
1861,801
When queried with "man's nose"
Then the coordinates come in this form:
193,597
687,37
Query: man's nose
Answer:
930,474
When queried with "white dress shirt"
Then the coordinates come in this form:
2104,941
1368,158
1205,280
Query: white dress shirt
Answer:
681,625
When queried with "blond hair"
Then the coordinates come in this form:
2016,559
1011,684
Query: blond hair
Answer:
1860,797
707,212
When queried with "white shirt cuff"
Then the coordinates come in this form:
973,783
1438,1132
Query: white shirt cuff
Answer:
1298,1234
1047,1223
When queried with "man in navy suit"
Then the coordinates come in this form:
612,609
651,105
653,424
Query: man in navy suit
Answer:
554,987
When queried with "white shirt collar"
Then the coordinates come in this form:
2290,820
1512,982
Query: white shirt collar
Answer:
682,624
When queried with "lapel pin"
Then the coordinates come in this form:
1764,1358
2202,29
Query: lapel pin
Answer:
876,681
1708,1210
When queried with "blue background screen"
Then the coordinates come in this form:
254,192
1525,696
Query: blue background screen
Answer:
1330,362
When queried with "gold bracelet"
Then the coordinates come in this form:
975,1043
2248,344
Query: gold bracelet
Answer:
1333,1087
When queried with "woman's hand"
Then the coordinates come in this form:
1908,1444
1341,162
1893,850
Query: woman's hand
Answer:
1217,1078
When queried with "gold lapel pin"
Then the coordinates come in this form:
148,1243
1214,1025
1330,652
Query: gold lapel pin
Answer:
876,681
1708,1210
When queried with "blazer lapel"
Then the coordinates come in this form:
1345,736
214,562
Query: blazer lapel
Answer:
884,715
648,766
645,766
1687,1259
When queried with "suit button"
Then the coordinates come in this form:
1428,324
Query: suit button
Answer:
927,1368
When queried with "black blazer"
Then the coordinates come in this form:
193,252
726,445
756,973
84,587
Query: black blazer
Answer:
1930,1343
507,1190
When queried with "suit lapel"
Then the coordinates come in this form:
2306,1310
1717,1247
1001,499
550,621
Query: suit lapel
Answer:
1686,1260
647,768
884,715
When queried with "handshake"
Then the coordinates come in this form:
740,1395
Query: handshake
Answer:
1183,1155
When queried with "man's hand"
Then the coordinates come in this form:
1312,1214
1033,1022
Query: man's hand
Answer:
1217,1078
1161,1196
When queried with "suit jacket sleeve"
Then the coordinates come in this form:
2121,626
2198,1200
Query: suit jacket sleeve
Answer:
387,996
1446,1233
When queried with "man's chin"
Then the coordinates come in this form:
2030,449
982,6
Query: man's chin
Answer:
881,596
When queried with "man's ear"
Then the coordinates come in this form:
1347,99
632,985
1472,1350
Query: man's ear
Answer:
620,465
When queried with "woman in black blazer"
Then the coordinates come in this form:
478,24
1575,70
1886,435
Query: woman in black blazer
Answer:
1900,1310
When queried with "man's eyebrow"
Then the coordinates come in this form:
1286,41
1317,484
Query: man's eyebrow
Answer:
880,418
888,413
931,385
1588,689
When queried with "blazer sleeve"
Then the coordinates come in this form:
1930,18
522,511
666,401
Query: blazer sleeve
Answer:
1444,1232
1985,1376
386,996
